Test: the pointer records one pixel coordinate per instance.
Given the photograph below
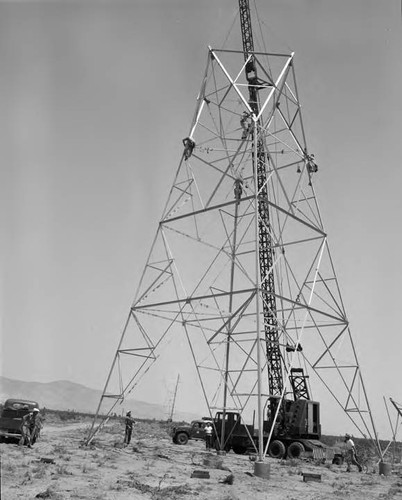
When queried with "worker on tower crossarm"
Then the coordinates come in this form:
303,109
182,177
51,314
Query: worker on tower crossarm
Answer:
351,454
246,125
238,190
312,166
189,146
129,421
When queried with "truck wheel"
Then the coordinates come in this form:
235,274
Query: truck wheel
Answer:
276,449
181,438
295,450
239,450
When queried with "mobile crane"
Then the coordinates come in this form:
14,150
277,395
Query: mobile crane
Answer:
292,425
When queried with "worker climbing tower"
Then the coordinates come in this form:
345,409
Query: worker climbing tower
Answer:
240,264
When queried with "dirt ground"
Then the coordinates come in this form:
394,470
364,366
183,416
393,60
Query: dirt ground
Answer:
152,467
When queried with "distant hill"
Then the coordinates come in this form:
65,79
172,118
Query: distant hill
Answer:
65,395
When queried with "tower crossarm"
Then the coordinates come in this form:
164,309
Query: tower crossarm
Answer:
274,355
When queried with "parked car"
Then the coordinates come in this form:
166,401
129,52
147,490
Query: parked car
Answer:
11,417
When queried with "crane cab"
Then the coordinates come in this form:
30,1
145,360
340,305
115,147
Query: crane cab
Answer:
298,418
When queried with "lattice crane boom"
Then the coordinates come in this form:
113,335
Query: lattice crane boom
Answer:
266,252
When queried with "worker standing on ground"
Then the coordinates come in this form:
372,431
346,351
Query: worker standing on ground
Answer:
129,421
351,453
36,427
29,428
208,435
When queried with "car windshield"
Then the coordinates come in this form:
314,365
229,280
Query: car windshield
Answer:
20,405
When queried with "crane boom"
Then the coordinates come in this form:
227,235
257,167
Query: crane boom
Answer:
245,21
266,252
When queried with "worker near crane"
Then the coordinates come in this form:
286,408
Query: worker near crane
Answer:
208,435
129,422
30,428
351,454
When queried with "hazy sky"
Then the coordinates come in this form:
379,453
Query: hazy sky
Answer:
95,98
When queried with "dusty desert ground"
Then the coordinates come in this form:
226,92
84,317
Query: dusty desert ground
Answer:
152,467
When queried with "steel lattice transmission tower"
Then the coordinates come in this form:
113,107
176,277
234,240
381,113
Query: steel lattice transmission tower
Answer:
240,264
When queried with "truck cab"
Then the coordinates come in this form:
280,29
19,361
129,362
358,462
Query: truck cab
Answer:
237,436
196,430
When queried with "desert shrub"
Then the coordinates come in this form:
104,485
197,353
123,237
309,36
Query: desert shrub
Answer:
65,416
101,461
8,467
174,491
49,493
26,478
59,449
149,429
39,471
294,471
396,490
116,487
113,428
86,468
68,415
342,486
369,480
156,492
61,470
